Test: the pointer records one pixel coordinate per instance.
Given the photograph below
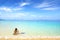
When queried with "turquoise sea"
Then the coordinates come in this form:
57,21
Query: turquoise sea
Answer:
34,28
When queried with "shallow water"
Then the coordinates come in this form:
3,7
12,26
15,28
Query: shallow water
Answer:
34,28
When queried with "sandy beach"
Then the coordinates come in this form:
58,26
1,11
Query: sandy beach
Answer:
29,37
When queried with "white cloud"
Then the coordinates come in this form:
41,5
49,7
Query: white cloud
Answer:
7,9
18,16
16,9
46,6
43,5
12,16
19,6
25,16
24,4
50,8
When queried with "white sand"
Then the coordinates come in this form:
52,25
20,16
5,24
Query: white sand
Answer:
6,37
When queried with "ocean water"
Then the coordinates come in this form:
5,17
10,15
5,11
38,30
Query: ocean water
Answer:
33,28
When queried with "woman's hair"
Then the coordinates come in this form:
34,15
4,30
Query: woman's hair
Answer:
15,29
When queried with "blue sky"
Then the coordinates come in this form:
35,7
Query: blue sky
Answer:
30,9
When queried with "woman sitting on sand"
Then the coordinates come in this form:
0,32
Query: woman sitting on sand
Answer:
16,32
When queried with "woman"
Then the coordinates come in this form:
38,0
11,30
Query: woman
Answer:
16,32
